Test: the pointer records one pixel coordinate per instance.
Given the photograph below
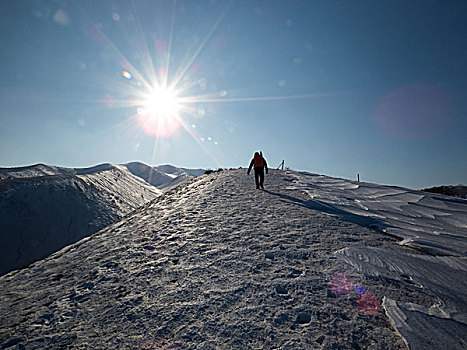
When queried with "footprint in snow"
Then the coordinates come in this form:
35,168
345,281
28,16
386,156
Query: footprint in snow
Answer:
281,289
304,318
294,273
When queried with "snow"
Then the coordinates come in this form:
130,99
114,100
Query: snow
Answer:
431,223
148,173
44,208
171,170
163,177
33,170
215,263
422,330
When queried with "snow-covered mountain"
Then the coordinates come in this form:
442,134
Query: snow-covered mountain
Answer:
311,262
162,176
44,208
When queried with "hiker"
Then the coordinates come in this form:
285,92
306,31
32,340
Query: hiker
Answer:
260,164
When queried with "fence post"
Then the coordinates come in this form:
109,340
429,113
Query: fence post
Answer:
358,177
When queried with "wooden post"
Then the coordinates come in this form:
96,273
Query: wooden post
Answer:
358,177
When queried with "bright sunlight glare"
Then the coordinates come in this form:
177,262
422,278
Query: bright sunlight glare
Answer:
159,113
162,103
163,100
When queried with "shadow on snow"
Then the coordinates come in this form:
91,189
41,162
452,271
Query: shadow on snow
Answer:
312,204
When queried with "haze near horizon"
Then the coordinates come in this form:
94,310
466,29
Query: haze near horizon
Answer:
330,87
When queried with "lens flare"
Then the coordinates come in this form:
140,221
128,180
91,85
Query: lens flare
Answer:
159,127
360,290
368,303
341,284
127,75
62,18
413,112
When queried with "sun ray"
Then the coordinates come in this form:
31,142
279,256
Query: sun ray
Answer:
126,64
200,48
123,60
125,124
154,153
197,139
215,99
161,106
144,50
169,49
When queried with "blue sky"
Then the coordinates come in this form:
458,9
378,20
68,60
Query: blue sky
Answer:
332,87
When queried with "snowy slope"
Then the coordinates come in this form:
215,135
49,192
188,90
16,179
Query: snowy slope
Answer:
174,171
431,223
148,174
164,177
33,171
215,263
434,223
44,208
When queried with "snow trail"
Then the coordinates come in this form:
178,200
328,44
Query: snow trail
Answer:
212,264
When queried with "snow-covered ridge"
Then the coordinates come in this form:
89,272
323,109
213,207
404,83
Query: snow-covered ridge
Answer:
212,264
44,208
162,176
135,168
34,170
216,263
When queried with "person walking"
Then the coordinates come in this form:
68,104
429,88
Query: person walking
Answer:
260,165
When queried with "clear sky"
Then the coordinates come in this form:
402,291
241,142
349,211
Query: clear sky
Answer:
332,87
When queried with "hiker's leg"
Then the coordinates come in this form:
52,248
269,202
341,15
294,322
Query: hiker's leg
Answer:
261,177
257,177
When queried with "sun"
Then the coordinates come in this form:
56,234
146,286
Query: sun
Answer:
162,103
159,113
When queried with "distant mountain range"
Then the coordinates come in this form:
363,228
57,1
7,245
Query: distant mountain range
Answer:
44,208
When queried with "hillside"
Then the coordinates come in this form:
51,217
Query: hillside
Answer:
45,208
215,263
455,191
